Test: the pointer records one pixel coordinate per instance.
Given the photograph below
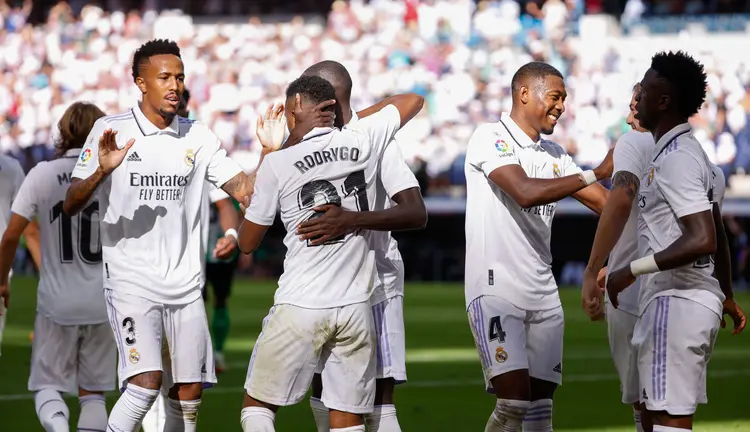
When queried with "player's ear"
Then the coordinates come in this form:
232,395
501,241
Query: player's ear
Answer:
524,94
665,101
141,83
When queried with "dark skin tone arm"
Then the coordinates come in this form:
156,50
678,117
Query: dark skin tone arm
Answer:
251,235
698,239
723,273
409,214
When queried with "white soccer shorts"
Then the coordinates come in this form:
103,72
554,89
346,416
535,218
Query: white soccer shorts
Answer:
674,338
620,327
509,338
292,342
138,325
64,358
390,347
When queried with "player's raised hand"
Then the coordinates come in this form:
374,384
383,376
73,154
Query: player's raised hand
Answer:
307,118
332,223
736,313
592,296
618,281
111,156
604,170
225,247
271,127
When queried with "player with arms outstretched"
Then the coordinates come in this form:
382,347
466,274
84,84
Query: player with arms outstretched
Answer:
322,303
398,205
514,179
147,167
73,349
680,301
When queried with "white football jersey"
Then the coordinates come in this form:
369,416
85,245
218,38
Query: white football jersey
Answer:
70,283
720,185
11,178
151,205
678,182
632,154
394,176
328,167
508,247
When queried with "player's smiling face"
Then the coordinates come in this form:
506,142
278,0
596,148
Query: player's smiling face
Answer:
162,82
547,103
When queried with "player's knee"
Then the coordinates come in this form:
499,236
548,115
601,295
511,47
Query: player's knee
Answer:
149,380
317,386
509,414
384,389
186,391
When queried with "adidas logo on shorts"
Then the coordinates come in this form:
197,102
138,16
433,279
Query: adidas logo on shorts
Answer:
58,414
644,397
557,368
134,157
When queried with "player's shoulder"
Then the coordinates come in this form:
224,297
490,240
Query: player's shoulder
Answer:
640,140
552,148
115,120
489,132
10,163
717,174
683,147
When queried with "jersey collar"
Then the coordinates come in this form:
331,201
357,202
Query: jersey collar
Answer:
515,132
672,134
316,132
353,120
147,128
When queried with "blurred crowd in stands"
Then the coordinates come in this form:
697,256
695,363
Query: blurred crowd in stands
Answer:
458,53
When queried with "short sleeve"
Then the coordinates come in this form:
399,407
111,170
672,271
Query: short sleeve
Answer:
26,202
627,157
569,165
18,178
221,168
380,127
682,181
216,194
88,160
395,174
265,200
488,151
719,185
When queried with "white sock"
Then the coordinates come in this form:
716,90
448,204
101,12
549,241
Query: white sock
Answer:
257,419
93,416
128,412
539,416
637,420
507,416
157,415
321,414
182,415
360,428
52,411
383,419
658,428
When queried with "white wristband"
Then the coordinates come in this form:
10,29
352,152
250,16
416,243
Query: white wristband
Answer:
231,232
644,265
589,177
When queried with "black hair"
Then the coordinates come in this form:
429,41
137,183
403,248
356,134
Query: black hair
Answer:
153,48
312,88
687,78
533,70
333,72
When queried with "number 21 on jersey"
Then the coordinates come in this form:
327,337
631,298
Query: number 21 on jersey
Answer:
320,192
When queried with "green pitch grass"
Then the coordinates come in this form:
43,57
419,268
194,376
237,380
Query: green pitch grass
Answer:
445,390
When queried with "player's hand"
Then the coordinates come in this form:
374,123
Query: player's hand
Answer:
225,247
618,281
271,127
308,118
5,294
592,297
333,223
245,204
604,170
110,156
735,312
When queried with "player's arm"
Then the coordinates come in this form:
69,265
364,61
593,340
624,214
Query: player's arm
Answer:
723,261
408,106
594,197
261,211
681,181
229,220
31,234
103,156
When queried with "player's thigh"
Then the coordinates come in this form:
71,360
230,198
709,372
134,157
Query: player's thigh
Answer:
349,372
675,339
97,358
390,347
53,356
620,327
545,331
189,340
286,353
137,326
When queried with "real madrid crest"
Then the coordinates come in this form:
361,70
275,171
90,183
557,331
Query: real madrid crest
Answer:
650,177
134,356
501,355
555,170
190,158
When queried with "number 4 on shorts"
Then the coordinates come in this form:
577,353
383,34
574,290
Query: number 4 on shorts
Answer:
496,330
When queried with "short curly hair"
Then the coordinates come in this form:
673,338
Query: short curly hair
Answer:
153,48
687,77
313,89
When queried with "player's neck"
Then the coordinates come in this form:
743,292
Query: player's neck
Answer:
666,125
155,117
524,125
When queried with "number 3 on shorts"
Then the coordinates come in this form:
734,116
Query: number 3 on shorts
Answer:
129,325
496,330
